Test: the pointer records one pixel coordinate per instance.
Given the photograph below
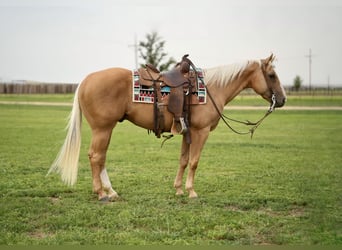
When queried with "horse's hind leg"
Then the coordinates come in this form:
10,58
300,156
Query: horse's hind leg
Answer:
97,157
107,185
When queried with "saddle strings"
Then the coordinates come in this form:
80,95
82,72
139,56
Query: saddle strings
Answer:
247,123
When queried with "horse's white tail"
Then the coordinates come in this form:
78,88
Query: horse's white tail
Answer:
66,162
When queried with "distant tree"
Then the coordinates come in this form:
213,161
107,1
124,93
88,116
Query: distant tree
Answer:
152,51
297,83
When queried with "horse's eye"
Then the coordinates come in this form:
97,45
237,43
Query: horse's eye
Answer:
272,76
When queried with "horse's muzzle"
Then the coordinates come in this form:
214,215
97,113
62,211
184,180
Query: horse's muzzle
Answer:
280,102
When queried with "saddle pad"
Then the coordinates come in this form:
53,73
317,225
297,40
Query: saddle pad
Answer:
145,94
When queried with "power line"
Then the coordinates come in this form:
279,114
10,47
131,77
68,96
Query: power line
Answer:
310,63
135,46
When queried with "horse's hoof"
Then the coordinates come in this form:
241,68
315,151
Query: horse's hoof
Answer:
104,199
193,195
179,192
113,197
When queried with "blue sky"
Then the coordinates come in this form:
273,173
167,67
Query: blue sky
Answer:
64,40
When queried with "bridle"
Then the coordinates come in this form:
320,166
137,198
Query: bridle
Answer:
254,125
247,123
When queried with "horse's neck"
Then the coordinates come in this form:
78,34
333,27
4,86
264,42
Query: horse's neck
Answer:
227,82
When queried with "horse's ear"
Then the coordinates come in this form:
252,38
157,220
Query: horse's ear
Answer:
269,59
273,57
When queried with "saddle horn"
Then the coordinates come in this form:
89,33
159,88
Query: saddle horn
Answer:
185,67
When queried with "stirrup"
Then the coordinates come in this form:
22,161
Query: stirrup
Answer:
184,128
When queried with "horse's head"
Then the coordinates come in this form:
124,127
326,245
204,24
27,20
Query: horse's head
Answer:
267,84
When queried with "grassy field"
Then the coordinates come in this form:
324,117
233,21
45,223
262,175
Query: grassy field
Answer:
281,187
37,97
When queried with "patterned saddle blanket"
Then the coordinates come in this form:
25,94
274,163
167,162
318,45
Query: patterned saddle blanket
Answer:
145,94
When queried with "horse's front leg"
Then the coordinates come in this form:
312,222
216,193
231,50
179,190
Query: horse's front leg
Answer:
198,137
183,163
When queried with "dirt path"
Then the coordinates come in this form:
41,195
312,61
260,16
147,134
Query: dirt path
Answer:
69,104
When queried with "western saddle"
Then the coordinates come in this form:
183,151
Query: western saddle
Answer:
181,84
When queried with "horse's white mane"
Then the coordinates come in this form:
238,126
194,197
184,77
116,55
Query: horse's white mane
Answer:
223,75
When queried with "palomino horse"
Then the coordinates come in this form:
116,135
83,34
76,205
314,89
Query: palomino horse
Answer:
105,97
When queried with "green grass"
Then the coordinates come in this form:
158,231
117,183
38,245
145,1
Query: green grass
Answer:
37,97
281,187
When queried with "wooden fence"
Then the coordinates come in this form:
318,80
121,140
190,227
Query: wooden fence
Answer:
42,88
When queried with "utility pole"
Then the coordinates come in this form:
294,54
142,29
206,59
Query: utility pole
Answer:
310,62
135,46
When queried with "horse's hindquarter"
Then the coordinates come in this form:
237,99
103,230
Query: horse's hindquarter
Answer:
104,96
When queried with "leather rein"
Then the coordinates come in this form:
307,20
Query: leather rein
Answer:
247,123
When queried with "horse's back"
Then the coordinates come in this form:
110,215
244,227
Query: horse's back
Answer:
103,95
107,78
